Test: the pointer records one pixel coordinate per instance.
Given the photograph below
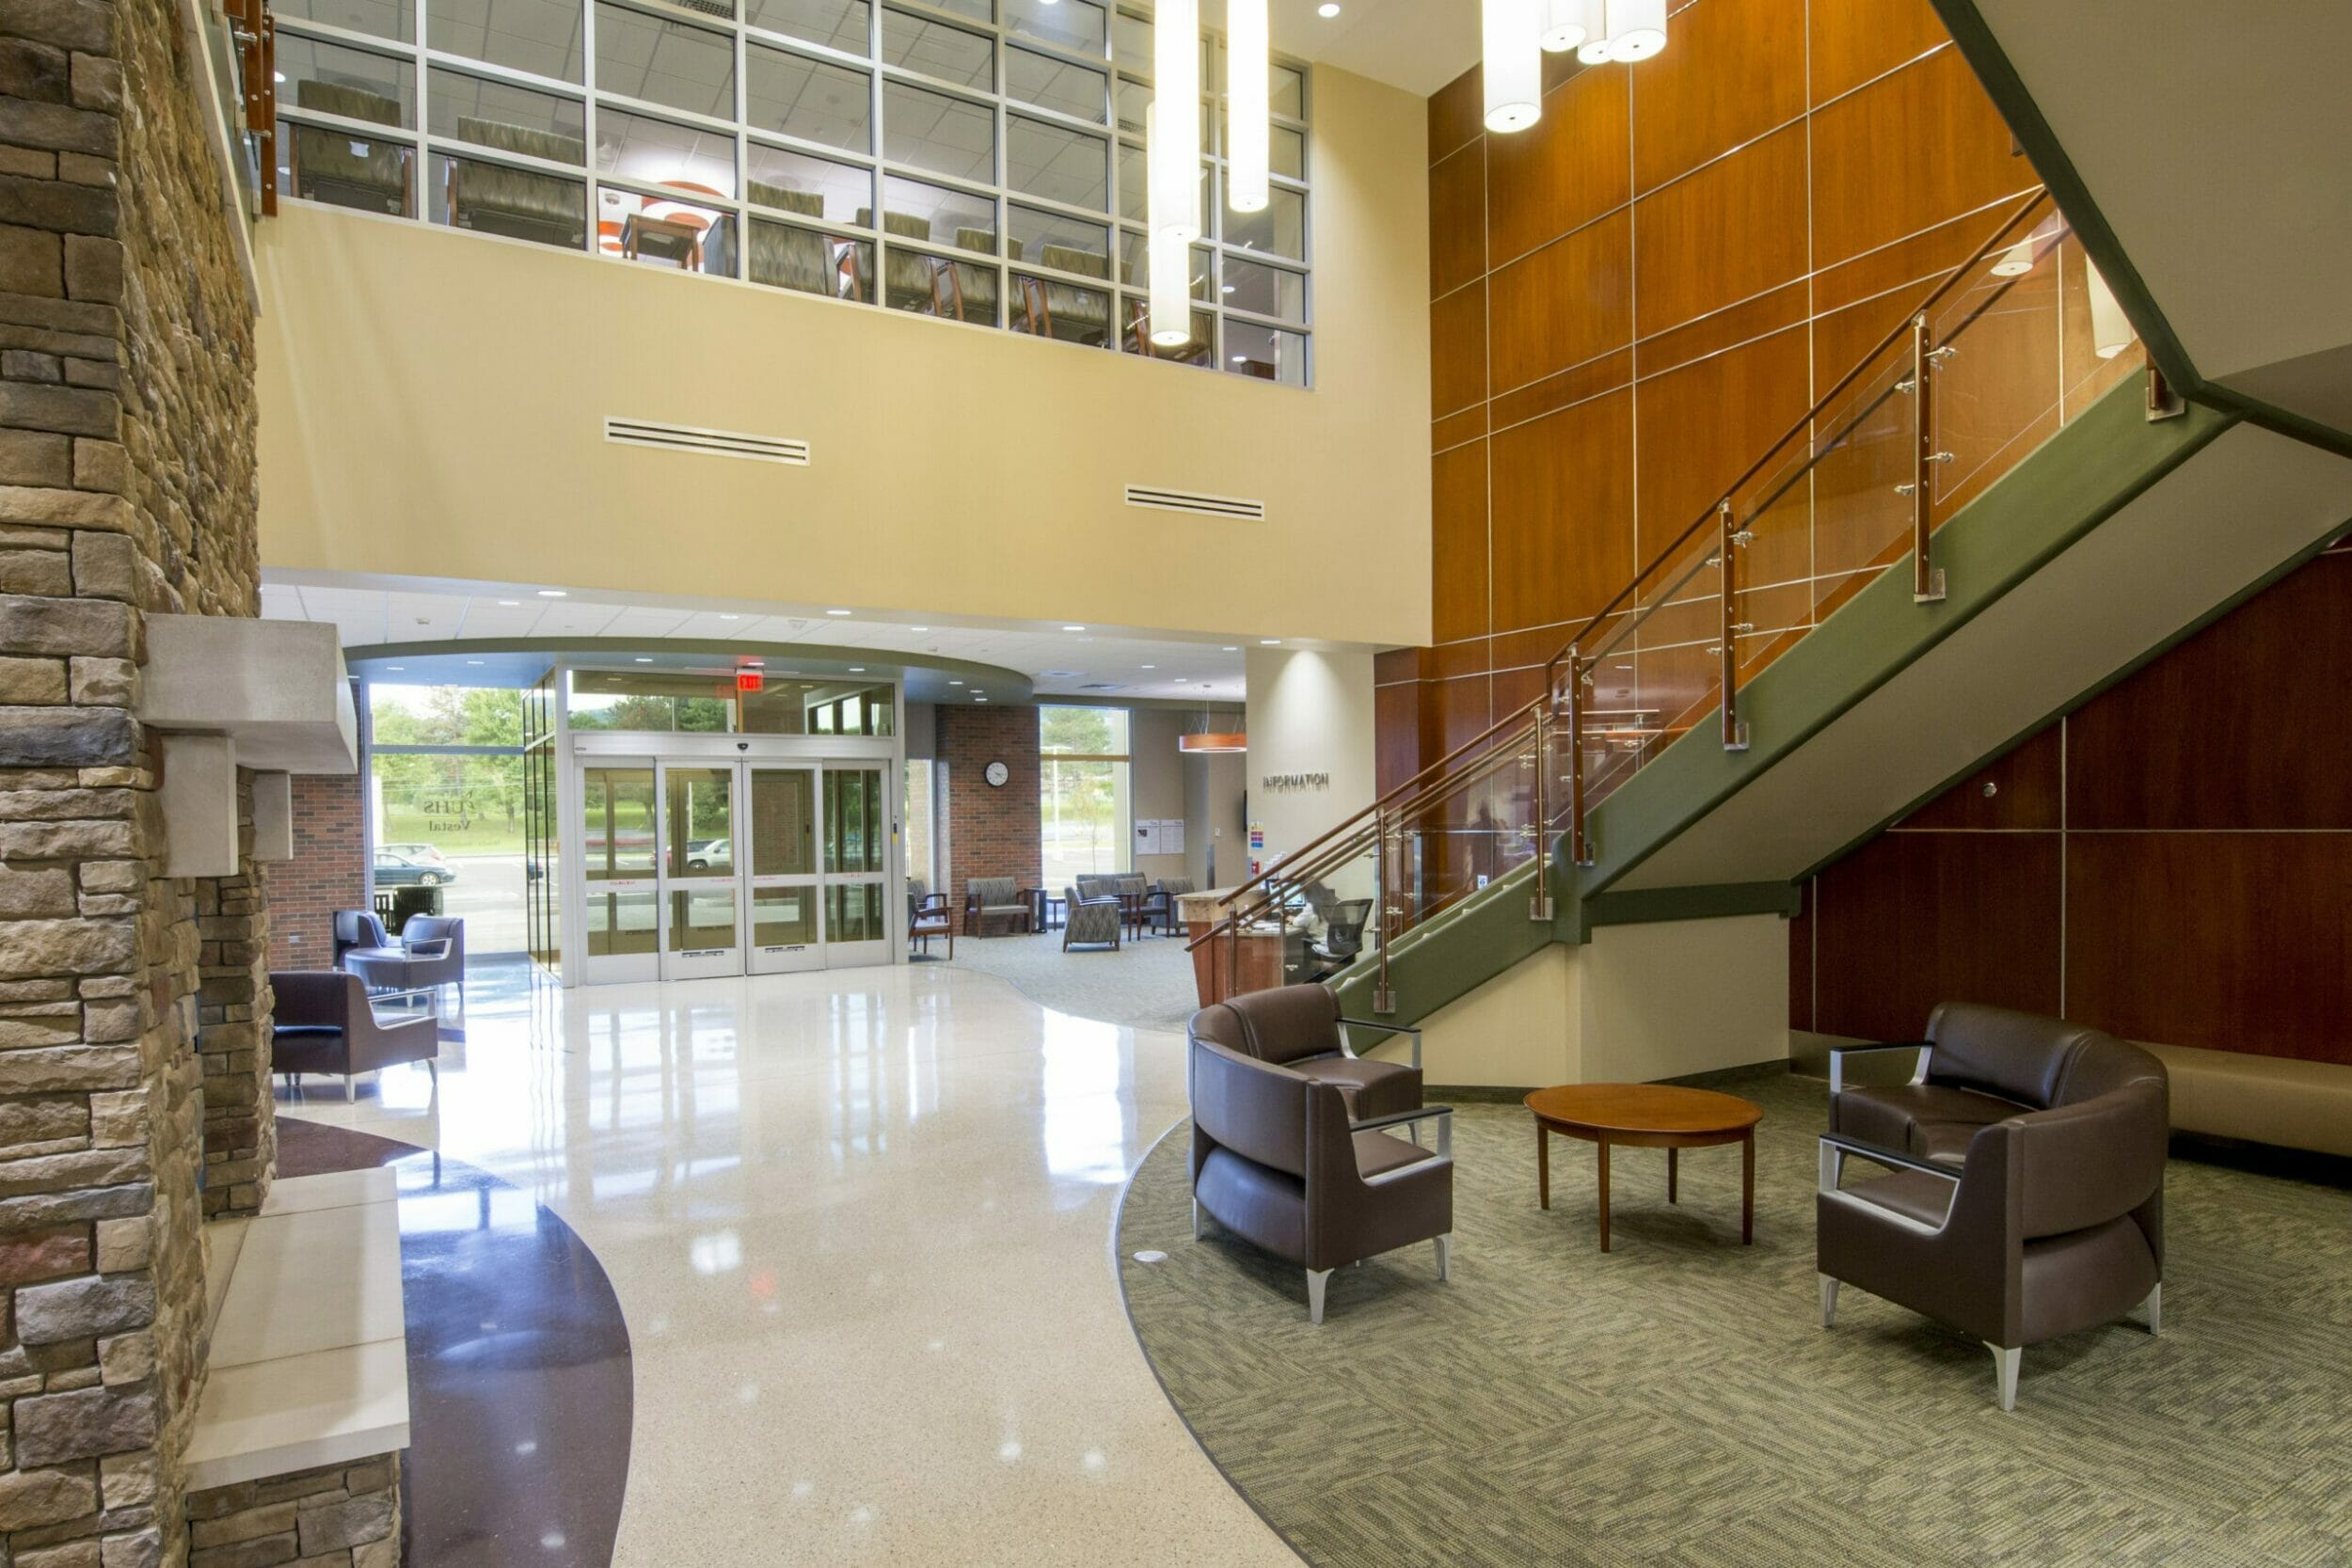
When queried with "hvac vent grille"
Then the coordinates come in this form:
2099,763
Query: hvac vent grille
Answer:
716,443
1186,501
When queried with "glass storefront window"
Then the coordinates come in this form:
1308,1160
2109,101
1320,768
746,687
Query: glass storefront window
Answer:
1087,820
454,823
736,134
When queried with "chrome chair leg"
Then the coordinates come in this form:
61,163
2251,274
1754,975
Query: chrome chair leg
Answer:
1200,1221
1445,1256
2005,1363
1829,1302
1316,1280
2154,1306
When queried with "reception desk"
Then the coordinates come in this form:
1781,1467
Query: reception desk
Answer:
1259,959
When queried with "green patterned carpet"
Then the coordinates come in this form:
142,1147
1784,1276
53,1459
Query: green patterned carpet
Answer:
1676,1401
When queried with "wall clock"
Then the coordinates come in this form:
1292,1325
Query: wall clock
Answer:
996,775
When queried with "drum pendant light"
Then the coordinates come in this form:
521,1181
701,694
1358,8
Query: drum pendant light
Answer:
1637,29
1514,63
1570,23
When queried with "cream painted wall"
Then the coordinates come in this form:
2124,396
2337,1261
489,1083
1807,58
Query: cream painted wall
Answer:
1310,712
1634,1004
432,405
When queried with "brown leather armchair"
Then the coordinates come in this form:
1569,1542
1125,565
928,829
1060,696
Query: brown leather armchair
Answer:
1276,1160
2026,1198
1300,1027
324,1021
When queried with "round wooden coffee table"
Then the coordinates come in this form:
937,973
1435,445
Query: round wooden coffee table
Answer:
1647,1116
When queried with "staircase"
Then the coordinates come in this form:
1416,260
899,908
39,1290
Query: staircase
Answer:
1988,518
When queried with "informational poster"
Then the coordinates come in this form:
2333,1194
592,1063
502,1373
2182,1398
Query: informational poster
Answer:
1159,835
1257,837
1148,836
1172,836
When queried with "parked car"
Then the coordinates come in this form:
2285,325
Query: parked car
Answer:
427,853
395,870
700,857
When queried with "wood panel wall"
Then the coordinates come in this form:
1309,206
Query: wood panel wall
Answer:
1633,299
2172,862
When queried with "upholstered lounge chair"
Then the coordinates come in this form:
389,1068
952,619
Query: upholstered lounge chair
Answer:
325,1023
2026,1198
430,950
1300,1027
1052,308
336,166
1278,1160
519,204
1091,922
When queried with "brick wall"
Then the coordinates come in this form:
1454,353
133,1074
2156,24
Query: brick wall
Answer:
991,832
329,872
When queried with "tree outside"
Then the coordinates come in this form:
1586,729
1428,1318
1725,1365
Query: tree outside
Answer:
1082,785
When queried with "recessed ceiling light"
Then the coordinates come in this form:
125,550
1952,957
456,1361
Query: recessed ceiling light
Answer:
1150,667
473,662
979,698
755,663
918,628
510,604
723,616
836,612
1269,641
1241,359
1074,628
552,593
857,669
1328,11
1233,648
394,669
644,660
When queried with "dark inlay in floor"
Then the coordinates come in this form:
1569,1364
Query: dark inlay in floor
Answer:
519,1398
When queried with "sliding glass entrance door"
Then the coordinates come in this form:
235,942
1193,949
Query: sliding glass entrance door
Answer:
620,936
856,827
699,883
783,886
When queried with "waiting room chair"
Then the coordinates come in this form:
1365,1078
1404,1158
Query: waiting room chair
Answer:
349,171
987,898
929,916
1051,308
781,256
1090,922
430,951
519,204
324,1021
1166,893
1278,1160
1300,1027
2027,1194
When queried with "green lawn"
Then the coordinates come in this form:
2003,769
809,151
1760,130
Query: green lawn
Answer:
486,834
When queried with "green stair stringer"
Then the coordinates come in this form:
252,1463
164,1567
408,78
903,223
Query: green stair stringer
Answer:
2074,482
2065,489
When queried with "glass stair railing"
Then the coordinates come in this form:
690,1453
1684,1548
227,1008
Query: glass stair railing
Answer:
1997,358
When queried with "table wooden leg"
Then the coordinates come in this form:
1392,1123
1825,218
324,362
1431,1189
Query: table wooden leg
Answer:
1543,1165
1604,1195
1673,1164
1747,1190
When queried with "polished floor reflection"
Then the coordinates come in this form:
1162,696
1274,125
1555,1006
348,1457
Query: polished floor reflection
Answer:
859,1226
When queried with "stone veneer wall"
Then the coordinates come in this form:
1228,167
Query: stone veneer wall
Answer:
130,1005
336,1517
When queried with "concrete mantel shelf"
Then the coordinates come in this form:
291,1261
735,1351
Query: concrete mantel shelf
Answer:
275,688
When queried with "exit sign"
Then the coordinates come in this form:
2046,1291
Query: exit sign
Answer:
747,680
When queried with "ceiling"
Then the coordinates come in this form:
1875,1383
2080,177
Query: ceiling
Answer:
1419,45
1121,665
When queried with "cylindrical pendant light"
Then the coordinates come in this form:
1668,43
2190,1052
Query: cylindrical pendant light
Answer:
1568,24
1637,29
2110,330
1169,257
1514,63
1174,145
1248,103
